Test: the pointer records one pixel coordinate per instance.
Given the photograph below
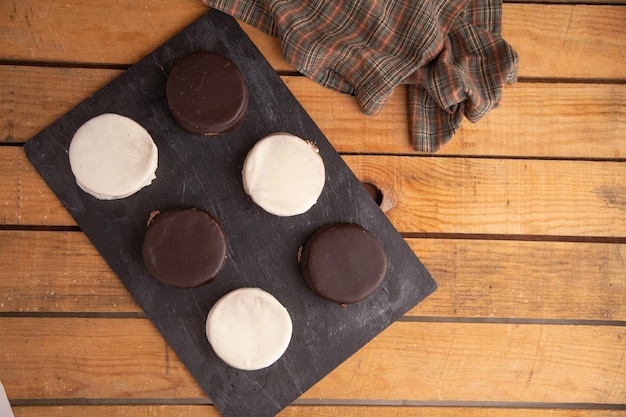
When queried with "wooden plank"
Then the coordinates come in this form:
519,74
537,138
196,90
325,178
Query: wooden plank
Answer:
25,191
567,41
304,411
97,362
577,41
62,272
569,115
127,358
561,126
551,280
424,194
83,31
34,97
525,197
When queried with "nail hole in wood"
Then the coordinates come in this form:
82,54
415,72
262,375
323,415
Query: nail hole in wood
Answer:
374,191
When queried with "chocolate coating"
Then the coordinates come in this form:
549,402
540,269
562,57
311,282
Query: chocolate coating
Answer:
207,93
343,262
184,247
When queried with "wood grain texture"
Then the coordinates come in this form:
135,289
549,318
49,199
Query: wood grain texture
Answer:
34,97
302,411
424,194
577,41
555,280
527,197
127,358
72,357
540,120
88,32
25,193
567,41
533,120
63,273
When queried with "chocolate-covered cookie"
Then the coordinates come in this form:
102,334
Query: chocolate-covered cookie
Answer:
206,93
184,247
343,262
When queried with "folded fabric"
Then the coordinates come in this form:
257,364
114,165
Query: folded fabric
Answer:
449,51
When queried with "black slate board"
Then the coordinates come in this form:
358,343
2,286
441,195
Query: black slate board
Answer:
206,173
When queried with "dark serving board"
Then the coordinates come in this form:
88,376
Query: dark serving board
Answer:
205,172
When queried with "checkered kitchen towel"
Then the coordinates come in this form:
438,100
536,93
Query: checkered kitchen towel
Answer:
449,51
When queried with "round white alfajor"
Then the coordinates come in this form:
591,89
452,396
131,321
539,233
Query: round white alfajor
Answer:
249,329
112,157
284,174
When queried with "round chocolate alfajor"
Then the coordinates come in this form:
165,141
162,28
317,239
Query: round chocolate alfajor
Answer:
343,262
206,93
184,247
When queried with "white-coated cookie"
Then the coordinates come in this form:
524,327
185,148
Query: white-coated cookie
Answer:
112,157
284,174
249,328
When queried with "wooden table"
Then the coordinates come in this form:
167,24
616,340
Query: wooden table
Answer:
521,219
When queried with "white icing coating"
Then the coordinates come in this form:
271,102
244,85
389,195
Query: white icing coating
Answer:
249,328
112,157
284,174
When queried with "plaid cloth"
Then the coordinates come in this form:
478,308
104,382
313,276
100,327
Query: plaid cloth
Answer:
449,51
